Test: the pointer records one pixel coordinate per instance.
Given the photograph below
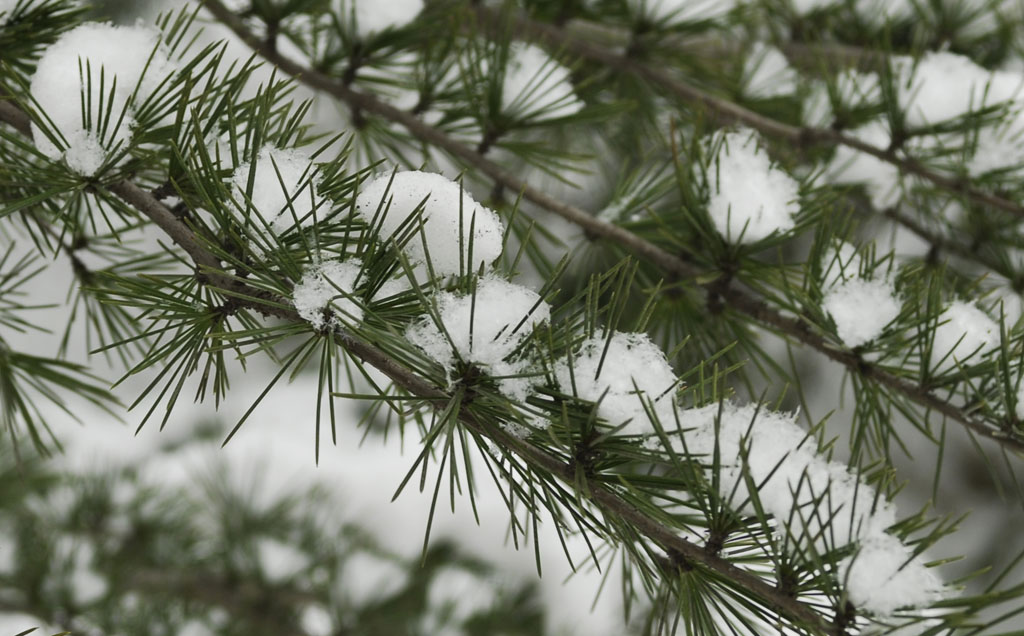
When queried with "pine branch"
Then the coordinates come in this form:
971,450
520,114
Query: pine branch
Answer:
674,267
605,498
727,112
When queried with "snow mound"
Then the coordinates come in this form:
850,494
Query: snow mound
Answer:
964,333
622,374
330,283
130,60
283,191
791,477
485,329
448,213
750,199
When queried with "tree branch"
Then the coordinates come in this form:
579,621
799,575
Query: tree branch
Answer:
674,267
727,112
606,499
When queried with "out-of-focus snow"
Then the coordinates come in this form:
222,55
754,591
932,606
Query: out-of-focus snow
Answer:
272,457
535,85
964,334
370,17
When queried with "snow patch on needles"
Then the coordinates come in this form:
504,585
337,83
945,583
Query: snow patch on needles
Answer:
622,374
446,211
536,85
485,329
68,77
860,307
942,85
882,179
330,283
815,501
749,198
369,17
964,333
767,73
282,189
884,575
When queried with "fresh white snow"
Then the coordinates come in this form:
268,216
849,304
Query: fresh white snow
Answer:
329,283
749,198
964,334
623,374
283,191
485,329
861,307
62,76
447,211
792,477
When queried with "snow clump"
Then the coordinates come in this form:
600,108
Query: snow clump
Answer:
329,283
963,332
446,211
860,307
536,85
622,374
485,329
750,199
121,53
925,93
283,189
882,575
369,17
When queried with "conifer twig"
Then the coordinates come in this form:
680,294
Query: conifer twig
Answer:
604,497
674,267
727,112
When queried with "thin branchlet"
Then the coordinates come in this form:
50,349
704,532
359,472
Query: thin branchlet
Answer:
673,267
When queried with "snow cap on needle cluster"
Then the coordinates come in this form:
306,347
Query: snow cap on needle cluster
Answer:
814,501
328,283
767,73
283,189
749,198
69,71
622,374
448,214
861,307
537,85
942,85
485,329
369,17
964,334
